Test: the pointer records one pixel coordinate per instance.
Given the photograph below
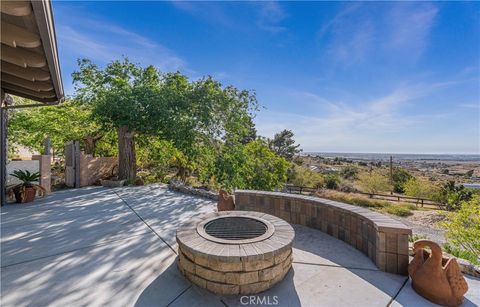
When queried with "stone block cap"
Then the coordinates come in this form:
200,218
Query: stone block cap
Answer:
380,221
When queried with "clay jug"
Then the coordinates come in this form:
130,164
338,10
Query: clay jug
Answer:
225,201
434,277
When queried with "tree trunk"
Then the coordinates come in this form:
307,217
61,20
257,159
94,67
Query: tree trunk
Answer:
127,166
90,143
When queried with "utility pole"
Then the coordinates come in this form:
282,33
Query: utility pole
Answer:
391,175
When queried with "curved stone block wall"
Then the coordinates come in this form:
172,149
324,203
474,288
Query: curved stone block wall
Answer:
383,239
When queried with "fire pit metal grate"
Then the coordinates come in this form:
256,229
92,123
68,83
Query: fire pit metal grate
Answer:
235,228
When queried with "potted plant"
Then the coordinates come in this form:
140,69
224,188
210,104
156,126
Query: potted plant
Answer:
25,192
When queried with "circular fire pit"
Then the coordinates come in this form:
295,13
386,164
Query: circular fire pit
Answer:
235,252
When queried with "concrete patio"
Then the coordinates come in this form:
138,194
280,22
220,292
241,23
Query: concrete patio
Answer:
97,246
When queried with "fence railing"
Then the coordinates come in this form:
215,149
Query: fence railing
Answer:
393,197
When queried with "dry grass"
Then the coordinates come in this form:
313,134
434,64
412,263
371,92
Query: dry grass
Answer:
396,208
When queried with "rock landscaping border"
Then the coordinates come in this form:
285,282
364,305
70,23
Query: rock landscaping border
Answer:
466,267
179,186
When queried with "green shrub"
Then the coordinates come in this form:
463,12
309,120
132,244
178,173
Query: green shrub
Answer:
373,182
251,166
453,195
421,188
331,182
349,172
400,176
155,157
369,203
463,226
304,177
461,253
346,186
399,210
152,176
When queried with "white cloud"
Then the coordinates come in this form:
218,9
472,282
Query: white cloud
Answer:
338,18
471,105
270,15
364,31
376,125
349,35
353,45
409,26
212,12
103,42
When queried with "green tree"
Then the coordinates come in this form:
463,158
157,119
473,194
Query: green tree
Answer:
121,96
373,182
203,114
251,166
205,164
136,100
454,195
349,172
421,188
263,170
229,168
332,181
283,145
400,176
463,226
65,122
304,177
155,157
248,132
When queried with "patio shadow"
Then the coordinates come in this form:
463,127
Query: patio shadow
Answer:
284,293
313,247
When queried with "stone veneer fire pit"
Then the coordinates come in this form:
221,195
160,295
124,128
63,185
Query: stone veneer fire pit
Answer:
235,252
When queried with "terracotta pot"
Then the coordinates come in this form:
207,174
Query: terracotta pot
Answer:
18,194
225,201
434,277
29,194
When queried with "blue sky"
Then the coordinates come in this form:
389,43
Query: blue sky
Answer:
344,76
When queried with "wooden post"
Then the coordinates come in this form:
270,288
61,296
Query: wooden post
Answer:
45,168
3,149
72,164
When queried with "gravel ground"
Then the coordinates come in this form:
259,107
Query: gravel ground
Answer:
423,223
